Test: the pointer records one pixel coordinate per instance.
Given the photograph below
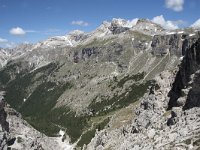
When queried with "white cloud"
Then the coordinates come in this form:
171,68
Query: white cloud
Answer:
196,24
80,23
176,5
179,22
17,31
20,31
6,43
3,40
133,22
30,31
10,44
167,24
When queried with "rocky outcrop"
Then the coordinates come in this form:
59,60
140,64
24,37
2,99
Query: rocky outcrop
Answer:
163,119
5,139
161,44
87,52
185,91
3,116
4,56
148,27
77,36
153,127
175,43
117,27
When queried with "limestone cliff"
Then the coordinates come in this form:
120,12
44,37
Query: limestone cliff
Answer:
167,116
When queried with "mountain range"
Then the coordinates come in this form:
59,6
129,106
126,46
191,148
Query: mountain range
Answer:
126,85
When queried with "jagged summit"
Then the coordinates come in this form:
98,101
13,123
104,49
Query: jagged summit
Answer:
118,25
115,26
148,22
107,30
102,30
118,21
77,36
149,27
70,39
76,32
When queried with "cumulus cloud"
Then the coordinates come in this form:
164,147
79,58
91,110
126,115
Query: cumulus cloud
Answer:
196,24
80,23
17,31
167,24
176,5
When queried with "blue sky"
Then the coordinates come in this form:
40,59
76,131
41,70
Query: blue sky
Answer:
36,20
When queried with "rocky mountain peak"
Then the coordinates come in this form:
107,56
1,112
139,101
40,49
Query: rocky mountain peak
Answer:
77,36
143,21
76,32
148,27
118,22
115,26
103,27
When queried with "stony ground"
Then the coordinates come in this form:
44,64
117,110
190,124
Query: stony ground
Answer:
153,127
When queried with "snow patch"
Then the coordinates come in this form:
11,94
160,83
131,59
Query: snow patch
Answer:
170,33
64,145
61,132
180,32
181,58
191,35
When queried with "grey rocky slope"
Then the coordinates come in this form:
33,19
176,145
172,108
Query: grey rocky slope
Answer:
167,116
80,81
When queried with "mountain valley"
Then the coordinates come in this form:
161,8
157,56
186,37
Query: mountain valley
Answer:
125,85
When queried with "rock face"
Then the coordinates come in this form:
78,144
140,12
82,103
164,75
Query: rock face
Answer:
3,116
148,27
3,57
161,44
185,90
163,119
118,26
4,124
176,44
